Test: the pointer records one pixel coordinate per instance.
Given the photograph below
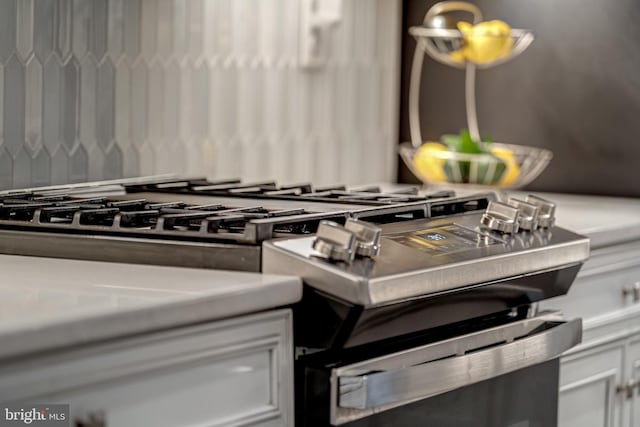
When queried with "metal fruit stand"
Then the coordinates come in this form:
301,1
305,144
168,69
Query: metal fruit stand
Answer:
437,39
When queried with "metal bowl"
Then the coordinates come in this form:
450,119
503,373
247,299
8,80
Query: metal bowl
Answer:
440,43
517,167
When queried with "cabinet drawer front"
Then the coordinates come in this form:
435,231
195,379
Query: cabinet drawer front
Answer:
600,286
601,293
236,390
227,374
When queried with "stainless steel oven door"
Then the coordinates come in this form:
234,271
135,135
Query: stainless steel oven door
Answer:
366,388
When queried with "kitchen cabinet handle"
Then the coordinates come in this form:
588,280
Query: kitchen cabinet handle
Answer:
93,419
364,388
628,388
632,290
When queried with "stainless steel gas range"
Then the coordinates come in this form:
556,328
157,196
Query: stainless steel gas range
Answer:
418,309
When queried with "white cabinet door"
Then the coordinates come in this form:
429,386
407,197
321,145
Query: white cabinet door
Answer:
588,382
235,372
633,373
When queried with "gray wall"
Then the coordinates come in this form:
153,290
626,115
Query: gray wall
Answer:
576,91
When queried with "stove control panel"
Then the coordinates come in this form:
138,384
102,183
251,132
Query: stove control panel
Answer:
424,250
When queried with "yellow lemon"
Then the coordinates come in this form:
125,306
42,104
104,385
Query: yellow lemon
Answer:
486,41
457,55
428,161
512,170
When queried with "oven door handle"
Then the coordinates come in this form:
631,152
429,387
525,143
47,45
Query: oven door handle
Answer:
364,388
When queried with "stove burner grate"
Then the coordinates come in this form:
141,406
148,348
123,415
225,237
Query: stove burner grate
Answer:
143,218
371,195
65,210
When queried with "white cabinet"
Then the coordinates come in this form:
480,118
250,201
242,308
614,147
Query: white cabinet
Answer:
633,369
595,377
588,382
604,285
227,373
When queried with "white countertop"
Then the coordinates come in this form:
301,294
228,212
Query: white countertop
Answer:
50,303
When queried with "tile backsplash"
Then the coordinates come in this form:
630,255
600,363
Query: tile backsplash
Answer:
97,89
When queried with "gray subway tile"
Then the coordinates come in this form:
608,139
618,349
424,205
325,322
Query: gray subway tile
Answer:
87,112
149,29
130,161
59,166
113,163
122,100
200,97
22,169
132,12
165,28
172,105
115,28
105,95
139,101
41,168
8,20
95,163
69,102
99,36
43,20
62,28
1,103
156,100
147,163
181,25
78,165
81,17
52,96
6,169
14,103
33,104
24,28
195,27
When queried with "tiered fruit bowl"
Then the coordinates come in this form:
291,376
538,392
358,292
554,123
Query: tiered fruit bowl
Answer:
508,166
469,45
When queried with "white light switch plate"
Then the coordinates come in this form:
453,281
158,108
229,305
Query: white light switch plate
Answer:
317,18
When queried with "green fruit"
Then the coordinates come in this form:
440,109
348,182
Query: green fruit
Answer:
484,173
460,170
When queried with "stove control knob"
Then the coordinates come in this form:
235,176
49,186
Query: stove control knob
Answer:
367,237
528,218
546,211
334,242
500,217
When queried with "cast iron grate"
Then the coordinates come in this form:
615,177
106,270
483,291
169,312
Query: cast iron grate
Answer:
370,195
144,218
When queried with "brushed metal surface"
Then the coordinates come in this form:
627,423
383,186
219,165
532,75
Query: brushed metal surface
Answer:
401,272
133,251
371,386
